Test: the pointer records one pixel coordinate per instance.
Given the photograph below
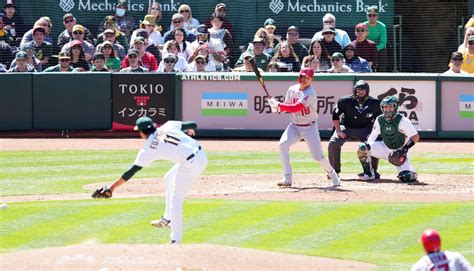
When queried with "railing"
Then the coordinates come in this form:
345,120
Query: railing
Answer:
397,44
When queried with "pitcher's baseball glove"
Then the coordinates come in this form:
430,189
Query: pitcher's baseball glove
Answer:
398,157
103,192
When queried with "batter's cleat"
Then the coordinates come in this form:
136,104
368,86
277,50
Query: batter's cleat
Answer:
377,175
365,177
335,178
284,183
162,222
173,242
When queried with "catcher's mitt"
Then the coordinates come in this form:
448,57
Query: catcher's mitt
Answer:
398,157
103,192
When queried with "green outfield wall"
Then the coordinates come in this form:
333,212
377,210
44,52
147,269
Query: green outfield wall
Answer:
223,104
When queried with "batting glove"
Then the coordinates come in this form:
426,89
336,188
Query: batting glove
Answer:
274,105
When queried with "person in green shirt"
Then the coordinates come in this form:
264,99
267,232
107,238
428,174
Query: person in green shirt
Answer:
261,59
112,62
64,64
377,34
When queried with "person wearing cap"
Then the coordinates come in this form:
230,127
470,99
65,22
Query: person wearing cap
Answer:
12,21
64,65
112,62
285,54
45,23
78,58
124,22
217,55
262,33
246,66
340,36
78,35
4,34
43,49
148,24
189,23
217,31
338,66
221,10
98,62
293,36
172,142
109,36
365,48
328,41
150,47
199,64
69,21
437,259
353,61
133,63
468,56
22,65
270,26
30,58
172,47
261,58
147,60
301,102
178,21
168,64
455,64
377,34
118,36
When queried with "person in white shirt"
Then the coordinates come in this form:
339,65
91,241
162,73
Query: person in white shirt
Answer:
341,36
149,24
455,64
190,23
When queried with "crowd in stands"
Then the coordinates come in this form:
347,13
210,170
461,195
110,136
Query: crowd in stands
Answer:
191,45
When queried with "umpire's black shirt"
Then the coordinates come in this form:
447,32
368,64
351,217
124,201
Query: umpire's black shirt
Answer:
355,115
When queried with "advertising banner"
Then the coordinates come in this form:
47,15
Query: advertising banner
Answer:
457,106
417,100
136,95
242,105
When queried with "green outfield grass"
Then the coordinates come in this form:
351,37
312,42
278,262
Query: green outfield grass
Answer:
49,172
379,233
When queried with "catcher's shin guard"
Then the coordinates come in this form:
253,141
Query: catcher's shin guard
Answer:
365,159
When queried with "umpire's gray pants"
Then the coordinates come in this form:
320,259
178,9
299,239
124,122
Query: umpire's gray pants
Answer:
335,144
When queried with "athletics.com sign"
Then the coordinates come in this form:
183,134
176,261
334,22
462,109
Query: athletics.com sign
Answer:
109,5
276,6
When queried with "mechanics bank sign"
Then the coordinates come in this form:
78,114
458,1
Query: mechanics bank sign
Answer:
109,5
310,6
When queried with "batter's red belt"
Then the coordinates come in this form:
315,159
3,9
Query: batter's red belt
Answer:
306,124
193,154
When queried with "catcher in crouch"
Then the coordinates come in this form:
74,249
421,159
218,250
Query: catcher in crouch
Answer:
398,135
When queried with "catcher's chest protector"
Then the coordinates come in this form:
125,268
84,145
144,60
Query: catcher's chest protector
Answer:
391,136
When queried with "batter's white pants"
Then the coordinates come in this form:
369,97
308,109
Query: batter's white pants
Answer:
292,135
179,180
378,149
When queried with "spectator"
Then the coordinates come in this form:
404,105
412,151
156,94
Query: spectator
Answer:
66,36
200,64
312,62
150,47
3,68
261,59
45,23
6,53
31,58
455,64
149,24
119,37
221,10
247,67
155,10
99,63
22,63
178,21
134,64
217,54
338,66
275,66
43,49
168,63
109,36
328,42
468,56
218,32
365,48
317,50
145,59
340,37
377,34
112,62
13,23
4,34
78,58
64,64
467,35
78,34
292,36
172,47
263,34
184,47
286,55
190,23
270,27
209,65
435,258
356,63
123,21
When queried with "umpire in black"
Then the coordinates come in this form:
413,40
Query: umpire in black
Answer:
353,118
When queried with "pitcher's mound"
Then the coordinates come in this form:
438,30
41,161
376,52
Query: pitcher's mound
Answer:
167,257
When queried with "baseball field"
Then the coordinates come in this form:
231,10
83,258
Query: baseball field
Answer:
235,217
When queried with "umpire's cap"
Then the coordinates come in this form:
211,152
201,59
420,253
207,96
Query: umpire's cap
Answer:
144,124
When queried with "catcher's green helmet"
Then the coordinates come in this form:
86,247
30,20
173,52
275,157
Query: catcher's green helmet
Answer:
389,100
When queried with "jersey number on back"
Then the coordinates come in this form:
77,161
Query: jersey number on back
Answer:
171,139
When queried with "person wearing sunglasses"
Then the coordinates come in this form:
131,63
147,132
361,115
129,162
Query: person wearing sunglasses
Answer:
363,47
377,34
340,36
338,66
69,21
168,63
124,22
189,23
455,64
177,21
64,64
78,35
133,63
118,37
355,62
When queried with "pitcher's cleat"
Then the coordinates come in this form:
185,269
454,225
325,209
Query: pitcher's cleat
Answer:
160,223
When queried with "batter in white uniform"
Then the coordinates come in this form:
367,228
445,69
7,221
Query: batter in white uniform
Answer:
300,101
169,142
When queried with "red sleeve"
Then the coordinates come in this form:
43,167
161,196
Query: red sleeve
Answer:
292,108
125,62
153,64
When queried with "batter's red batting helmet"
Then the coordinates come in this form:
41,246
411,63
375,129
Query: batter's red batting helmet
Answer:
431,240
306,72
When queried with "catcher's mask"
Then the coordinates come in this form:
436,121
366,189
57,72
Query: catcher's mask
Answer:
431,240
389,113
361,85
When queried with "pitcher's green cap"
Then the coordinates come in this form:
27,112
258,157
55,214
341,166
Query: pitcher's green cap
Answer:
143,124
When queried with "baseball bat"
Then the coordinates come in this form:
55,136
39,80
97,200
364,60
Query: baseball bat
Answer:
259,76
